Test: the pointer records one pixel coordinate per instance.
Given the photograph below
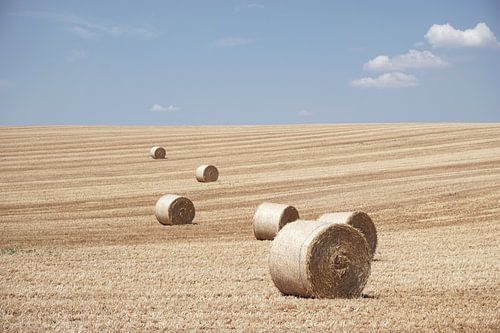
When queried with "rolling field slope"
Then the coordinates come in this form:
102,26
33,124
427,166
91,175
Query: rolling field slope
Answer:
81,250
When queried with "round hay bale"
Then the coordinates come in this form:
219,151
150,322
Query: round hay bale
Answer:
207,173
269,218
320,259
174,209
157,152
358,220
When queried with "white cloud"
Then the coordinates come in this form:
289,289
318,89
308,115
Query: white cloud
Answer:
91,29
249,6
75,55
233,41
387,80
161,108
444,35
304,113
255,6
144,32
419,44
412,59
82,32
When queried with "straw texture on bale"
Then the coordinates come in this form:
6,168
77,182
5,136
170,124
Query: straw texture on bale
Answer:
358,220
207,173
157,152
320,259
269,218
174,209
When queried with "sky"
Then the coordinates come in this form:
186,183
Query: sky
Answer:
247,62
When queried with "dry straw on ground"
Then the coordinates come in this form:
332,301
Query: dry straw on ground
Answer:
358,220
438,268
207,173
269,218
174,209
320,259
157,152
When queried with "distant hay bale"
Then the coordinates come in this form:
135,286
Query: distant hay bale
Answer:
320,259
157,152
269,218
174,209
207,173
358,220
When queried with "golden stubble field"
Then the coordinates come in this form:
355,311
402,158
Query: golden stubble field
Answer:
81,250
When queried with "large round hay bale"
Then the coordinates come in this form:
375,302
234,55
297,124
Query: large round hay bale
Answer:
207,173
157,152
269,218
174,209
358,220
320,259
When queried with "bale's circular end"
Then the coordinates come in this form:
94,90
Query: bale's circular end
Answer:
320,259
207,173
338,263
359,220
269,218
173,209
157,152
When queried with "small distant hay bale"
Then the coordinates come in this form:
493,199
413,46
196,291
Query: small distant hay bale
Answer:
207,173
320,259
173,209
358,220
157,153
269,218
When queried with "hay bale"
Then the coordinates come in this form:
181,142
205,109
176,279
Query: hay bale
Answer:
358,220
157,152
320,259
174,209
207,173
269,218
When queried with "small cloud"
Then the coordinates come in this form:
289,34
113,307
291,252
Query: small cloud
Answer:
75,55
233,41
445,35
82,32
255,6
250,6
5,84
90,28
387,80
419,44
304,113
144,32
412,59
161,108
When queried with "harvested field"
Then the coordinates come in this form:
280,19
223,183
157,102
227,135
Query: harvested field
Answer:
81,249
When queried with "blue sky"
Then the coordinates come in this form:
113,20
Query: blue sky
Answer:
248,62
